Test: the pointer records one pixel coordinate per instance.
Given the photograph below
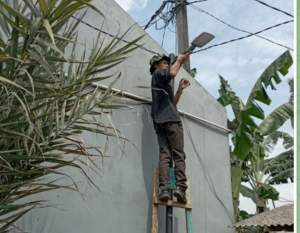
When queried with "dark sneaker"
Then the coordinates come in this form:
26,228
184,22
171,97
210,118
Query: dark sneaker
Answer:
180,195
164,196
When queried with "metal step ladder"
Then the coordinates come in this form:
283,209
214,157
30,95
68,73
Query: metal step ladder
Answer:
170,204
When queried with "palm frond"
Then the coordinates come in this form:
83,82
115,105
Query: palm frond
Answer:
276,118
43,108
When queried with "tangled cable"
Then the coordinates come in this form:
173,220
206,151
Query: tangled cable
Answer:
166,13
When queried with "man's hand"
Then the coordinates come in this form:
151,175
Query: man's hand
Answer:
183,57
184,83
176,66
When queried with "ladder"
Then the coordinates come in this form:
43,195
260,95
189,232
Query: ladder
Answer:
170,204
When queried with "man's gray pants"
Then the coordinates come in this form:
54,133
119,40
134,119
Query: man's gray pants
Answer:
170,140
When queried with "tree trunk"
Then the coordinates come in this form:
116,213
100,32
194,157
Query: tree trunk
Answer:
261,206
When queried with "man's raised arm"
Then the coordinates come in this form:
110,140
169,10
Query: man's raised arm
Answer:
176,66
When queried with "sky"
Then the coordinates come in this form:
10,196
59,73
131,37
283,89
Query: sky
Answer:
240,62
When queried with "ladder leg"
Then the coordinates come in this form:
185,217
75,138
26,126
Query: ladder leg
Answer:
171,187
169,206
188,217
169,219
154,226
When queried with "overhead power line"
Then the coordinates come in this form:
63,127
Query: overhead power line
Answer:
163,38
166,13
111,35
167,16
200,50
244,37
188,3
238,29
274,8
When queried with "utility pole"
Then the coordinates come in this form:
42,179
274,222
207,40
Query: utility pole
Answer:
182,30
183,44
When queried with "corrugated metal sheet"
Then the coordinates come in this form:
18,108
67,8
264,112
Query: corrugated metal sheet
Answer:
281,216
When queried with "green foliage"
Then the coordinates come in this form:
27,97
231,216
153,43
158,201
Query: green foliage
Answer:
254,135
193,72
248,192
47,98
273,138
244,215
281,167
277,118
244,113
280,66
266,192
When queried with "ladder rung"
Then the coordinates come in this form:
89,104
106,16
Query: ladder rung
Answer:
174,204
156,200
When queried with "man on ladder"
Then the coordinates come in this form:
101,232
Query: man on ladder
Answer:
167,123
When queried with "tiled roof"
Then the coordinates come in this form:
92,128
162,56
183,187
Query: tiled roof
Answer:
281,216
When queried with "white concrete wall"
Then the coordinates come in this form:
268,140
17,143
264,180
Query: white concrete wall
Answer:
124,203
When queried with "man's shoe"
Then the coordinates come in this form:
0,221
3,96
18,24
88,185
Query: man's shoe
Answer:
164,196
180,195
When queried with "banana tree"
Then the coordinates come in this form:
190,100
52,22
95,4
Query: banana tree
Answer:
280,167
262,171
47,98
246,137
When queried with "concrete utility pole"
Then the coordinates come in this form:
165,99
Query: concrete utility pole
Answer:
182,30
183,44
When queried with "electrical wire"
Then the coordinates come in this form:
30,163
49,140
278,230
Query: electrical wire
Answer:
206,171
243,37
239,29
176,41
188,3
163,38
197,51
166,16
157,12
114,36
274,8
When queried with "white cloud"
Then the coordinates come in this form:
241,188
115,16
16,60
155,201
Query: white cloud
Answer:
129,4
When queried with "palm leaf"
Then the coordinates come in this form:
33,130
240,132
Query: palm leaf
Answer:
281,167
228,97
44,110
276,118
247,192
272,138
269,77
252,142
245,125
